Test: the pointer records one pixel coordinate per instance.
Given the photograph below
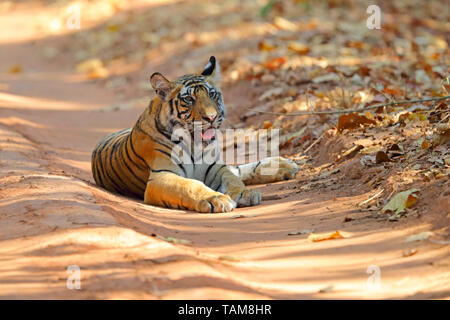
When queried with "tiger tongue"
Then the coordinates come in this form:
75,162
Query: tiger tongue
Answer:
208,134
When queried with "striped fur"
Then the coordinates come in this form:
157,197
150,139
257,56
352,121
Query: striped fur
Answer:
138,162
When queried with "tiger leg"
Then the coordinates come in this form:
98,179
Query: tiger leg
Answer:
268,170
170,190
233,186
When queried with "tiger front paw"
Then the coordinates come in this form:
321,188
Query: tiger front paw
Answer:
287,169
216,204
277,169
249,198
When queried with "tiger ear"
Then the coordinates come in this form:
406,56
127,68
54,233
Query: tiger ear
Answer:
212,70
160,84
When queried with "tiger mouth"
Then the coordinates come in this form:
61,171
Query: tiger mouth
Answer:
209,134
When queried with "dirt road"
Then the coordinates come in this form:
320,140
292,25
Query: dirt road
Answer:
52,216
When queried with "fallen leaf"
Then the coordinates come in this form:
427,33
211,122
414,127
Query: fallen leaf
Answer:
15,69
274,92
267,125
299,48
425,145
229,258
442,135
419,237
381,157
264,46
238,216
316,237
367,160
327,289
174,240
401,201
88,65
326,78
352,121
275,63
409,253
94,69
303,231
284,24
442,242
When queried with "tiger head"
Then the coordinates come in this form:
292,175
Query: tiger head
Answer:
192,102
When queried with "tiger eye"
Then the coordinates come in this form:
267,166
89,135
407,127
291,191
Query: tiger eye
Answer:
188,100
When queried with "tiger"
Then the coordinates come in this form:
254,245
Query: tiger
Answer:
138,162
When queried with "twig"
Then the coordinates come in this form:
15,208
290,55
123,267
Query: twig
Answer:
314,143
371,198
306,113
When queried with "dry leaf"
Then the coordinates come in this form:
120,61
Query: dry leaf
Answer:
267,125
409,253
229,258
264,46
442,135
274,92
88,65
367,160
299,48
284,24
174,240
15,69
303,231
442,242
326,77
381,157
316,237
93,68
275,63
352,121
327,289
419,237
98,73
238,216
401,201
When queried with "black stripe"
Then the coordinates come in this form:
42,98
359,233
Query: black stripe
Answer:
212,206
128,155
171,106
163,170
215,175
157,121
259,162
218,187
165,204
123,145
95,172
182,168
119,157
122,191
207,171
152,138
134,151
100,148
164,152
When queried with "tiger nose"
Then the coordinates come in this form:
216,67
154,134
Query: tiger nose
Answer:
210,116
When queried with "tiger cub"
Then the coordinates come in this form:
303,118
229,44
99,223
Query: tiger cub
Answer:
139,161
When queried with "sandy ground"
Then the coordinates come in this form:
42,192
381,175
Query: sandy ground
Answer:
52,215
